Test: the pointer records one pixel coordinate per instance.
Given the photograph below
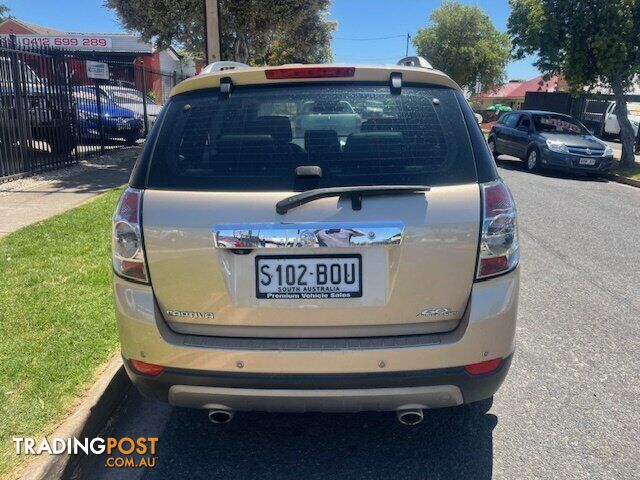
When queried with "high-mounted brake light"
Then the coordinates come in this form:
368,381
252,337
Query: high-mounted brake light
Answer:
127,249
499,247
309,72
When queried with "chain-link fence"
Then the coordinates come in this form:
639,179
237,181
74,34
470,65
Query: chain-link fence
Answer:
54,112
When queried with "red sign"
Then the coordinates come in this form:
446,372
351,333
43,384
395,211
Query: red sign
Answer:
66,41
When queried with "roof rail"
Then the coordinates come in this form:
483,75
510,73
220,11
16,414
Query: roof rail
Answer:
414,62
221,66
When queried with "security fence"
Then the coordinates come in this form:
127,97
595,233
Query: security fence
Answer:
58,107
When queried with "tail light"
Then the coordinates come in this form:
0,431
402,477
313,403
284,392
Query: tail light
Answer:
499,248
127,248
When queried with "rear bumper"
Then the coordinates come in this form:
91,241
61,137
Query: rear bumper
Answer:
327,393
381,374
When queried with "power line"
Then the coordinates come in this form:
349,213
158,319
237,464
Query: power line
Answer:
370,38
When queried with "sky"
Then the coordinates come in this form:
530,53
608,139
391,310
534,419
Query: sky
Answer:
368,30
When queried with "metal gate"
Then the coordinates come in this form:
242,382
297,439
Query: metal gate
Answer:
52,114
36,113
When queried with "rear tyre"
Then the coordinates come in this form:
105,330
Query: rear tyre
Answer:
533,160
492,148
63,145
131,139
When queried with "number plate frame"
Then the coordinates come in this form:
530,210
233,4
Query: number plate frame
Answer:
589,162
312,296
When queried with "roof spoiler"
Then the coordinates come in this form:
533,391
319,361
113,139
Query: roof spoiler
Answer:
221,66
414,62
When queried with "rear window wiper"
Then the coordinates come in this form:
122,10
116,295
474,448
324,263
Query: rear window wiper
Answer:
356,194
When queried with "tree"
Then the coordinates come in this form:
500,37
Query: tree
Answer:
4,12
253,31
462,42
590,42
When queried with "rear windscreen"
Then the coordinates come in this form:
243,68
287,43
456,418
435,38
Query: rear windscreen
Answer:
358,135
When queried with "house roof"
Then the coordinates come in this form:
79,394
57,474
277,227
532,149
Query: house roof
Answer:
519,89
40,30
35,29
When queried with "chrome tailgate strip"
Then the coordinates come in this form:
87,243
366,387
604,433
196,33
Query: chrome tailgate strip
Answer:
307,235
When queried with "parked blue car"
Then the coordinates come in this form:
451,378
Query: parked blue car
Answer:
119,123
549,140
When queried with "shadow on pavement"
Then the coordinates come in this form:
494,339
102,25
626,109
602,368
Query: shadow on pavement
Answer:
519,165
100,173
450,443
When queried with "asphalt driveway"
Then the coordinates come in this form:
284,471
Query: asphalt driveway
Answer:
569,409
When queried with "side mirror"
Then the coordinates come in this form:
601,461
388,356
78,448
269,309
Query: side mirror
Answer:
523,128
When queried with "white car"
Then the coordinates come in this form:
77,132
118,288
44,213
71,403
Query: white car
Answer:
133,99
611,124
325,113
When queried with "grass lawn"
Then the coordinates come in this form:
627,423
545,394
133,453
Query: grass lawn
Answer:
57,322
628,172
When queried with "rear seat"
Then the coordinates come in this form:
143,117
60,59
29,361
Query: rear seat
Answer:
279,127
237,154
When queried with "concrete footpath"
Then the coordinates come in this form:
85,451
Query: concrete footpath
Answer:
31,199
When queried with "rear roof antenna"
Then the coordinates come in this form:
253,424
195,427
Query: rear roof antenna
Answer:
222,66
414,61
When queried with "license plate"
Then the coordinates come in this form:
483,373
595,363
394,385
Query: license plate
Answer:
286,277
587,161
123,126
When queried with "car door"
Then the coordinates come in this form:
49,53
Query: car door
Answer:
611,124
500,134
521,136
218,243
508,134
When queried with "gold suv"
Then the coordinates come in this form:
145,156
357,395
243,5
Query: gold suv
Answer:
316,238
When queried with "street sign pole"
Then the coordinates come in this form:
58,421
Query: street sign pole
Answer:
98,71
144,100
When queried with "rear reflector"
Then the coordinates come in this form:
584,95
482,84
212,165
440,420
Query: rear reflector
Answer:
309,72
483,367
146,368
492,265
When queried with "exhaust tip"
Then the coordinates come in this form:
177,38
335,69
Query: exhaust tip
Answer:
220,416
410,417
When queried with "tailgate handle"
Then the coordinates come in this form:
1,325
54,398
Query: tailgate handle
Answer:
307,235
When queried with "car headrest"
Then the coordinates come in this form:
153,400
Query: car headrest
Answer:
374,142
246,144
278,126
381,125
321,141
